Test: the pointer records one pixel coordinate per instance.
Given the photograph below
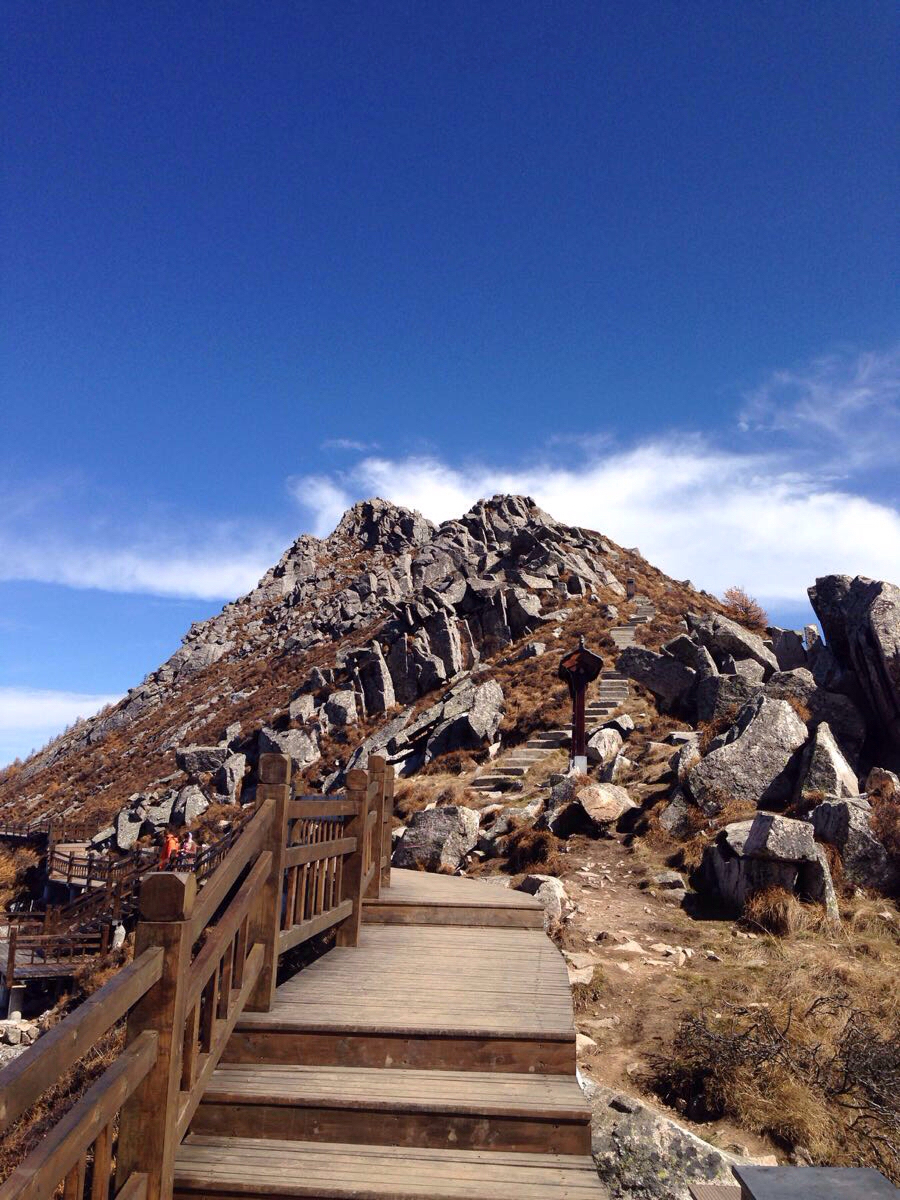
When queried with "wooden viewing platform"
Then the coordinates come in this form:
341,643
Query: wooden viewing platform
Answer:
429,1055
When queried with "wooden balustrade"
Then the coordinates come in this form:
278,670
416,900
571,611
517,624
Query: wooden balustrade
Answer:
297,868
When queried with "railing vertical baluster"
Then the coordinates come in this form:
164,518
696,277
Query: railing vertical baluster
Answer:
147,1137
274,784
102,1164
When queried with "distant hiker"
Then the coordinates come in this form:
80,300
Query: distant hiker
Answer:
169,848
188,854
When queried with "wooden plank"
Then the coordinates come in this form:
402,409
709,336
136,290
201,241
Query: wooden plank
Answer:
352,878
429,1051
381,913
147,1121
295,856
214,1166
313,925
305,807
37,1175
42,1065
134,1188
226,874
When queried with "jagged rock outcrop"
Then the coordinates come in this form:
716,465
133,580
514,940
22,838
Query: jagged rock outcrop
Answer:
861,622
824,768
844,822
756,760
723,637
670,681
844,718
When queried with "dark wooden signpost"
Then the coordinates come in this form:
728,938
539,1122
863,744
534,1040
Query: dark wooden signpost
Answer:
579,668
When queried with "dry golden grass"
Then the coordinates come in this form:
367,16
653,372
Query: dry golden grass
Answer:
802,1042
15,867
412,795
775,910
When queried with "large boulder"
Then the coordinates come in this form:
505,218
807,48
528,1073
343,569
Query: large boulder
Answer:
846,721
200,760
770,851
844,823
642,1154
230,777
550,894
469,721
579,806
723,637
604,745
128,829
437,838
669,680
300,745
717,695
861,621
824,768
189,806
758,761
374,678
788,648
340,708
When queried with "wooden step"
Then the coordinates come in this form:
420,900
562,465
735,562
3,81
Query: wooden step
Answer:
426,997
218,1168
424,898
461,1110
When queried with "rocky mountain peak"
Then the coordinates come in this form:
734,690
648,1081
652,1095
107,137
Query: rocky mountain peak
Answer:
377,522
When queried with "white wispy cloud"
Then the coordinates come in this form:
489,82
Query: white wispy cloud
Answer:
695,510
342,443
845,406
29,717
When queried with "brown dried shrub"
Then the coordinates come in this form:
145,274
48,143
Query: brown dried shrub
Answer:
527,847
744,609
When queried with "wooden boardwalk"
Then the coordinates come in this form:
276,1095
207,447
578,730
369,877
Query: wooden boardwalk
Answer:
435,1059
429,1054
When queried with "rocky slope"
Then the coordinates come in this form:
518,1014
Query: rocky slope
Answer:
387,634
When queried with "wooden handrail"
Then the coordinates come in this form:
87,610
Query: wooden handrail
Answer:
63,1153
220,883
296,868
29,1075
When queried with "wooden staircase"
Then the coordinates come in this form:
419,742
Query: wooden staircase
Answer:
433,1061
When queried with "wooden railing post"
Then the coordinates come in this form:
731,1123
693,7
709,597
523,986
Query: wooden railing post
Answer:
358,792
274,784
387,827
147,1130
377,769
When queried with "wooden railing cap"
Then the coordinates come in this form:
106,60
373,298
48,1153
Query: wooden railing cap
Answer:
274,768
168,896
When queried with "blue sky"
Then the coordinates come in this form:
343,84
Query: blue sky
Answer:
260,261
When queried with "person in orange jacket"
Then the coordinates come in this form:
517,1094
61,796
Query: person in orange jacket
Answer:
169,848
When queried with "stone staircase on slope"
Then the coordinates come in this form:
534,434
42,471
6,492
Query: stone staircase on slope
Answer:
611,692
